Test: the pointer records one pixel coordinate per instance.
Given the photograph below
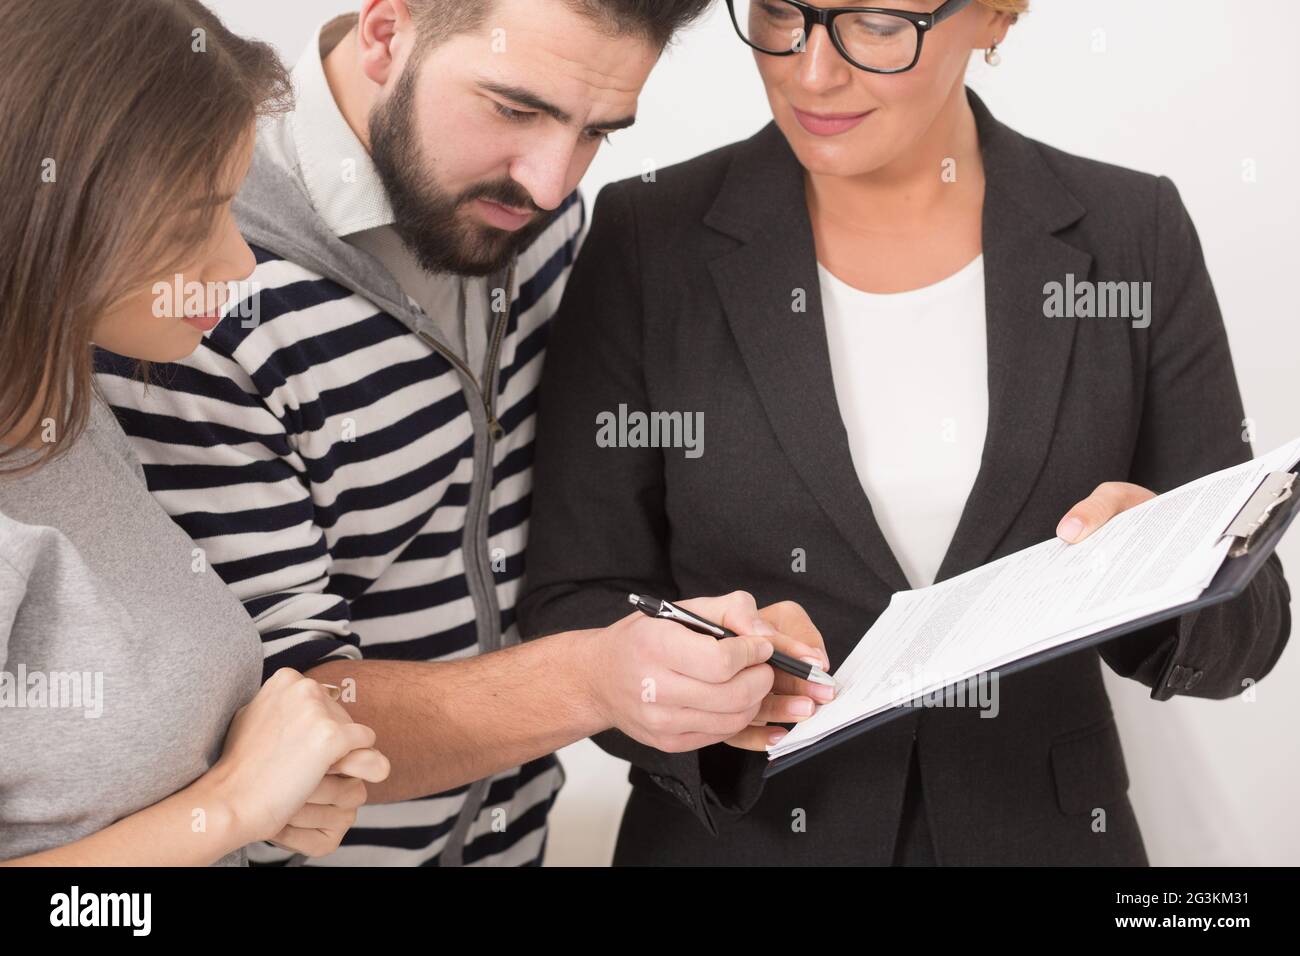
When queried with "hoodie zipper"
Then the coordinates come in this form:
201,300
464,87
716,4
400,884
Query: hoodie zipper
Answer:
485,395
486,392
478,566
495,428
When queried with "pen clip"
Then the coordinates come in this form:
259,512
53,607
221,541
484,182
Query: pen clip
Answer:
682,616
667,611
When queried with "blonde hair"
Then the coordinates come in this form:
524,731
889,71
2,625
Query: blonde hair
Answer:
1013,7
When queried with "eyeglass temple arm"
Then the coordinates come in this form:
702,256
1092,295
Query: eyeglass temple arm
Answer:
949,9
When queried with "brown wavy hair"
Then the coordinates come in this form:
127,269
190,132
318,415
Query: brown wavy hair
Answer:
121,117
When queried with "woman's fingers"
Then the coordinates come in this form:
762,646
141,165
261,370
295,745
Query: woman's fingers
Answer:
790,619
799,638
346,737
307,841
323,816
337,710
785,709
793,686
365,764
756,738
348,792
1109,499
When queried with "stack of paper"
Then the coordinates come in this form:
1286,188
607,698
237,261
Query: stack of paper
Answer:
1156,556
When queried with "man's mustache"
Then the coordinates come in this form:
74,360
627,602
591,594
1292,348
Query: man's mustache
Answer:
506,193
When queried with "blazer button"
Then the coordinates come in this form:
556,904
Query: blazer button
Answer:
1177,677
1194,679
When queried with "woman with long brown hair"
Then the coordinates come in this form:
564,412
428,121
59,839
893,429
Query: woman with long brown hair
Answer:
132,728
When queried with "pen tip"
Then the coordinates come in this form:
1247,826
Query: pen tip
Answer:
819,676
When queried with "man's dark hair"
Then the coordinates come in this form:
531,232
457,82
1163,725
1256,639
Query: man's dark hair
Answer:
657,20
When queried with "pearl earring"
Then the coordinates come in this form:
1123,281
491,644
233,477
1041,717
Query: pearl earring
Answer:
991,56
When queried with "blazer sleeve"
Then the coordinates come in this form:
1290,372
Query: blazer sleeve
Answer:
1192,424
598,529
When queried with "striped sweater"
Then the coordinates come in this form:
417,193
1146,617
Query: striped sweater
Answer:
350,482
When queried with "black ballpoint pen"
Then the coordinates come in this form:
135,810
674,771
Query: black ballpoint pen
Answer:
666,610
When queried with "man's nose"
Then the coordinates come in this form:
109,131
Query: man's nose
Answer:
546,170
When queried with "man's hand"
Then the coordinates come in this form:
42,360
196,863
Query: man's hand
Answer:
1092,512
672,689
791,700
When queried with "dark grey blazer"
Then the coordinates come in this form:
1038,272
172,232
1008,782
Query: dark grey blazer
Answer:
682,302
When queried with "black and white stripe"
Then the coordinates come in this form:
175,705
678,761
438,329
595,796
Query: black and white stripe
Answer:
324,461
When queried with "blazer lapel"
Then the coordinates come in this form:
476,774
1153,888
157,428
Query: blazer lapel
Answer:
770,292
764,280
1028,353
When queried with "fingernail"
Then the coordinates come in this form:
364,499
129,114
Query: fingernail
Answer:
776,736
765,650
1069,529
801,707
816,661
822,692
760,626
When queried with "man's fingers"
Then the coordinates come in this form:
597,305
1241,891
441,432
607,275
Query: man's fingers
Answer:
739,653
707,659
1092,512
739,695
736,610
718,726
785,625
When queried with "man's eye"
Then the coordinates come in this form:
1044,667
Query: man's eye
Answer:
598,135
517,116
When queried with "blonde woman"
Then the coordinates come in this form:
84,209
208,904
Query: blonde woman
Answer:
132,728
858,302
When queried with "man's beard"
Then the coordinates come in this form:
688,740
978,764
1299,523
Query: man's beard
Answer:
426,217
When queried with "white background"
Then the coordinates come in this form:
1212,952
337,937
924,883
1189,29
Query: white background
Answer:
1193,89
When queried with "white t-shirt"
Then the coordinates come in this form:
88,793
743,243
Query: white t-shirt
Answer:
911,378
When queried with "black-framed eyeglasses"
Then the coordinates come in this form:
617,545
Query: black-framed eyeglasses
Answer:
875,39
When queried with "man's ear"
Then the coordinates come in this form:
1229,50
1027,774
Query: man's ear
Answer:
385,34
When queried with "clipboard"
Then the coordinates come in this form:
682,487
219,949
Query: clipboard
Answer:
1256,530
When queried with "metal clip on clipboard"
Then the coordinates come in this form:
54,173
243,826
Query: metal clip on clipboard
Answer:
1276,488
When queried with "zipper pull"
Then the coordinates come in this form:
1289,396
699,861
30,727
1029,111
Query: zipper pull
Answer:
495,429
